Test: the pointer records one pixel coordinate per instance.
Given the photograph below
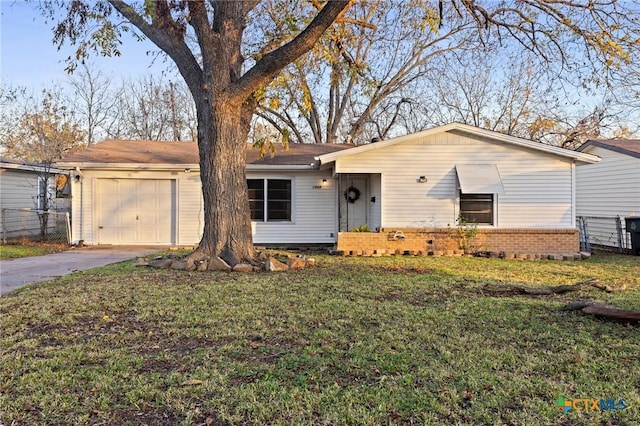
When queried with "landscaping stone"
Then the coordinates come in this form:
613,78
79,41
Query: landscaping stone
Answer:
585,255
161,263
243,267
190,265
296,263
217,264
274,265
141,261
179,265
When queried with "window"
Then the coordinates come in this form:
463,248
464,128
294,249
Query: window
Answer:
270,199
256,198
477,208
43,193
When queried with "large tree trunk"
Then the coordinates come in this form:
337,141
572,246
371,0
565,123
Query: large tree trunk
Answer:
222,137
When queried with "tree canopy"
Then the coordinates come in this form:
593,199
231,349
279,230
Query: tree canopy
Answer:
374,73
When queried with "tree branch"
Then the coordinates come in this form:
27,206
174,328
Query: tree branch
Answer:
164,35
270,64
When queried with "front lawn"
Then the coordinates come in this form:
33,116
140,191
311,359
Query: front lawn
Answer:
15,251
399,340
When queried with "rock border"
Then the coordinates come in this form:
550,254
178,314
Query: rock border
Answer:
447,253
271,263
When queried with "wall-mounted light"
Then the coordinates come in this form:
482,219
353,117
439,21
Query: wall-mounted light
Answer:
77,177
187,170
324,182
422,179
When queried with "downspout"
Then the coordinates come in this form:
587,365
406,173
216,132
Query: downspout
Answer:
81,221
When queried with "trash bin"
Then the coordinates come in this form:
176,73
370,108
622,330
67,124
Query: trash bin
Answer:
632,225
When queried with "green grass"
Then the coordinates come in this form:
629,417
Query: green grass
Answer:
11,251
352,341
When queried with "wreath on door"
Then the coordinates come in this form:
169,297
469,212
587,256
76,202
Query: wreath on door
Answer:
352,194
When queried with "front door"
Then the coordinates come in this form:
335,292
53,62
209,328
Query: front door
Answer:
356,202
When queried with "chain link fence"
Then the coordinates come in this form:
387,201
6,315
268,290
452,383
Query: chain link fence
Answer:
603,233
35,225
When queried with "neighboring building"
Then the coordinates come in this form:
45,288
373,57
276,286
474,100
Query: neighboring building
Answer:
23,189
609,189
519,194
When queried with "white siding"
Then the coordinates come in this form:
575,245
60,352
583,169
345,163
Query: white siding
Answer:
538,186
313,210
610,187
314,219
375,210
190,209
19,189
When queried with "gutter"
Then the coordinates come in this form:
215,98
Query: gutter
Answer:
174,167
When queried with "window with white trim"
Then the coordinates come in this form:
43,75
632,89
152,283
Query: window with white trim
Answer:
477,208
270,199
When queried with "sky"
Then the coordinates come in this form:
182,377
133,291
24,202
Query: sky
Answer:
29,58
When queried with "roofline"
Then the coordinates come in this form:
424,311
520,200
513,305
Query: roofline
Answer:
586,158
602,145
29,168
164,167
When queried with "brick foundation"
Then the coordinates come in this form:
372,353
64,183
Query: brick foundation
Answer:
453,241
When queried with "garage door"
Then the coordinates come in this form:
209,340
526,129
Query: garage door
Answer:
136,211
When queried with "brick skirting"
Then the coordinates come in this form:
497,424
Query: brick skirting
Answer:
450,241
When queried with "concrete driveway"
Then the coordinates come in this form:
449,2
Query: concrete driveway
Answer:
16,273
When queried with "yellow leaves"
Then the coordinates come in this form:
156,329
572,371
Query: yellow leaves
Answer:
45,133
612,51
274,103
307,100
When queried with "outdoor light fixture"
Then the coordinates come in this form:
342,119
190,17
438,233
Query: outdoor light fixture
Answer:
187,170
422,179
324,182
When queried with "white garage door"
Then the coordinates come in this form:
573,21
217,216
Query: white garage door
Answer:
136,211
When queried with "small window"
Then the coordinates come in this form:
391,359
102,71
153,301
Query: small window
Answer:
278,199
62,186
270,199
43,193
256,198
477,208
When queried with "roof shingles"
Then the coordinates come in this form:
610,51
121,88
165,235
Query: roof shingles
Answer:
626,146
154,152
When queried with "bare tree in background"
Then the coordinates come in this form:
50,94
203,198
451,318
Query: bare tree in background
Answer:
373,77
154,109
373,54
93,101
